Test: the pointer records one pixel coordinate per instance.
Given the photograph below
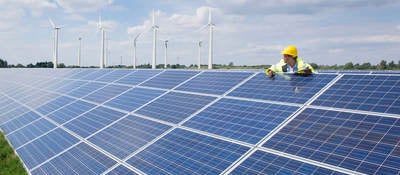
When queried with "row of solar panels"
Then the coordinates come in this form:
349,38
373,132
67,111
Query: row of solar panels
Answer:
92,121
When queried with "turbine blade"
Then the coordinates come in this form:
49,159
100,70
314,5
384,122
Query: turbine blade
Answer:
52,23
209,16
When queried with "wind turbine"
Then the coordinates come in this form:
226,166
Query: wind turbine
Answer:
165,56
134,49
199,57
155,28
55,43
79,51
210,51
101,28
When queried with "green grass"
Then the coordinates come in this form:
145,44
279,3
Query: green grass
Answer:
9,162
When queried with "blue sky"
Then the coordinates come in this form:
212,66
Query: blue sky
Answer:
248,32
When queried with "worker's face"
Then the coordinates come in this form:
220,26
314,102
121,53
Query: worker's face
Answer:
287,58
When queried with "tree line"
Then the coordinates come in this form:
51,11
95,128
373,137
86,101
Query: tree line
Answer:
383,65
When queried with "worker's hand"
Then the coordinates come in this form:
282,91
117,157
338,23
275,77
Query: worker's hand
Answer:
270,73
307,71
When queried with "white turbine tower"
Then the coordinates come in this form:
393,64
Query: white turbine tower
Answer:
134,50
79,51
155,28
101,28
165,58
55,43
210,51
199,56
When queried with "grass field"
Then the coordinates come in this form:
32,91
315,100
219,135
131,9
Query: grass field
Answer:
9,162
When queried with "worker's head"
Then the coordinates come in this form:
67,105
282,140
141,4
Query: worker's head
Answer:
289,54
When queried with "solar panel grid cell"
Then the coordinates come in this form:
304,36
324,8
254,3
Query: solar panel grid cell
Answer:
354,141
169,79
241,120
175,107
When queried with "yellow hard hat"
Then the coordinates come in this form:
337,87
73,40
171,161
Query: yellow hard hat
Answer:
290,50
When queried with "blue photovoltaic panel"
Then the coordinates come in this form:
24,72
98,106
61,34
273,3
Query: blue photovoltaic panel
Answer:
376,93
86,89
266,163
12,113
114,76
93,121
70,86
214,82
70,111
99,73
134,98
127,135
121,170
30,132
292,89
81,159
19,122
169,79
104,94
46,147
138,77
184,152
364,143
82,72
385,72
175,107
241,120
54,105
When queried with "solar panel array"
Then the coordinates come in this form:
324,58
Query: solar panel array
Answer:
113,121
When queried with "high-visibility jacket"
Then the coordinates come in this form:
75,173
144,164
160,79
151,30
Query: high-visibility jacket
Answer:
282,66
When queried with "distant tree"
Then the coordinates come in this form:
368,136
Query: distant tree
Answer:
61,65
3,63
391,65
19,65
365,66
348,66
382,65
231,64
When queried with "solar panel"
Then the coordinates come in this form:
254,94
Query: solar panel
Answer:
121,170
19,122
91,121
292,89
134,98
214,82
70,111
175,107
246,121
45,147
266,163
86,89
169,79
114,76
185,152
128,135
81,159
364,143
104,94
30,132
54,105
376,93
138,77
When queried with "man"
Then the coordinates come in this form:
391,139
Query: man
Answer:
290,63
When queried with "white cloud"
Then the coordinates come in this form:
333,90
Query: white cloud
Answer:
83,6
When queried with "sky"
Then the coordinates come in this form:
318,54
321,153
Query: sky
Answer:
247,32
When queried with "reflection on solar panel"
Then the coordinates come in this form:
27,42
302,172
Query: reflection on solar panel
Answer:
110,121
295,90
354,141
376,93
266,163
